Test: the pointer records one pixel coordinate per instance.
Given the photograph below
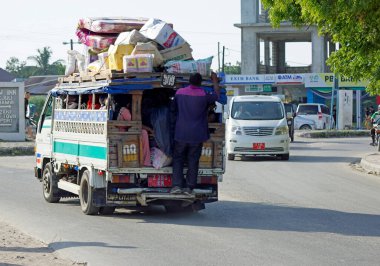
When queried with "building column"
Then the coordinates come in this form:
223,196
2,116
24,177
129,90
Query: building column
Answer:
318,45
249,11
250,55
281,66
266,56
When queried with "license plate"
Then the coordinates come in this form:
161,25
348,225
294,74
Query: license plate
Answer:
259,146
159,181
121,197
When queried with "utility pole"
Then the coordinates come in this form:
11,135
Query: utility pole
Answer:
334,89
223,59
71,44
218,56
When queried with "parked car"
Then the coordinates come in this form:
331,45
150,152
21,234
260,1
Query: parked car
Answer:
317,112
290,114
303,123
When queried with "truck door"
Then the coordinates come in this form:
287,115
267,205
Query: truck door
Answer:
44,132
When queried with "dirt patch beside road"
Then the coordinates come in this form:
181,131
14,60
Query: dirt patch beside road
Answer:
17,248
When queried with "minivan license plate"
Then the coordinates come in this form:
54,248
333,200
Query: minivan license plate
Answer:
259,146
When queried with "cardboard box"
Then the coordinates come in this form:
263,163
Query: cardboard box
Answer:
162,33
116,53
149,48
180,52
138,63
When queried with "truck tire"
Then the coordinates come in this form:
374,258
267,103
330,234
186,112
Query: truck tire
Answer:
231,156
49,184
106,210
86,195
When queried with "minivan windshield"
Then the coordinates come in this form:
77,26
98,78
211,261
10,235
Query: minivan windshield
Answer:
308,109
257,111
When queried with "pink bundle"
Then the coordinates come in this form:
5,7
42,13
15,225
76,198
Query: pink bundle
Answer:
95,41
112,24
100,33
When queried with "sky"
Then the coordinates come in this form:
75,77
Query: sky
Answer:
26,26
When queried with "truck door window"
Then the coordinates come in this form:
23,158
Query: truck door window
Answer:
46,113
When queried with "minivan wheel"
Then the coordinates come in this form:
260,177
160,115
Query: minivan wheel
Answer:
231,156
305,127
285,157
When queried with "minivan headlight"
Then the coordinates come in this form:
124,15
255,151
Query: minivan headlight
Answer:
236,131
282,130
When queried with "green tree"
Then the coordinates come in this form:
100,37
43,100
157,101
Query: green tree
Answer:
354,24
42,59
43,66
232,69
19,68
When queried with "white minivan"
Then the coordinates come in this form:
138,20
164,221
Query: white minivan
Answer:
317,112
256,125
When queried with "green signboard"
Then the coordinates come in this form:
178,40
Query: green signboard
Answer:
259,88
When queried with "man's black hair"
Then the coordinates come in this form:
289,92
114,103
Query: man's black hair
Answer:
195,79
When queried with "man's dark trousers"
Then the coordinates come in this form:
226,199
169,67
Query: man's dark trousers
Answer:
190,153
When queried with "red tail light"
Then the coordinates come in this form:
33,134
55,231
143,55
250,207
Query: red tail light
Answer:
211,180
123,179
319,115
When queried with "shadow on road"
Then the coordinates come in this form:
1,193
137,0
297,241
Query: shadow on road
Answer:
259,216
323,159
61,245
301,159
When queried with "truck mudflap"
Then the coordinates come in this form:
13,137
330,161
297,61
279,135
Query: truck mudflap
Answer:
145,196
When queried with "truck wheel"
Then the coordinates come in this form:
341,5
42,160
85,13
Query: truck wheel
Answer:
231,156
49,184
106,210
86,195
285,157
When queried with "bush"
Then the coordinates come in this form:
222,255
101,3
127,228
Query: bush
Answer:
335,134
38,101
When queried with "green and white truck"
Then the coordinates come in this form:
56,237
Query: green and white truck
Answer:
83,153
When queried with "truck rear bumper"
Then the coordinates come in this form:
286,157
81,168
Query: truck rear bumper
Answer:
145,197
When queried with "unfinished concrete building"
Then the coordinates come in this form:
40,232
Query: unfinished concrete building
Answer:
255,28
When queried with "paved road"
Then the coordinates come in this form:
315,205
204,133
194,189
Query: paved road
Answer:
313,210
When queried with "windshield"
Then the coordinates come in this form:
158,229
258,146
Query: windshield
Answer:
308,109
257,111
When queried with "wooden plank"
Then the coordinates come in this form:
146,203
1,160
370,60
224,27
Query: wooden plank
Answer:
131,151
206,159
113,156
113,163
136,107
131,127
120,154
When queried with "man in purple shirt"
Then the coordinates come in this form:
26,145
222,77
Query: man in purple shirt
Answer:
191,130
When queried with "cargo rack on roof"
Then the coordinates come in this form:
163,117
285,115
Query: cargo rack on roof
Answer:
129,78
